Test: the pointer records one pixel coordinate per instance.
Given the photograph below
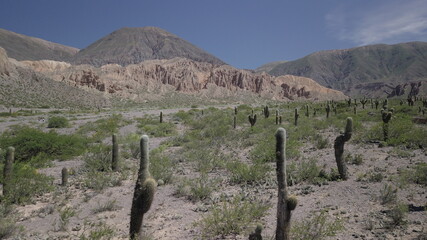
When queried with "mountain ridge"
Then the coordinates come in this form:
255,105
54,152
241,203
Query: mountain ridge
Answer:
355,70
22,47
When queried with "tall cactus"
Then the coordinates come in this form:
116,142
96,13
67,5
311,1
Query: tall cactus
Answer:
296,117
307,114
234,121
376,103
328,109
64,176
339,148
161,117
235,110
7,171
363,102
115,154
349,102
386,117
285,203
266,112
143,195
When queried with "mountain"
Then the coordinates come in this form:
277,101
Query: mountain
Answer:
268,66
21,86
182,75
134,45
375,70
21,47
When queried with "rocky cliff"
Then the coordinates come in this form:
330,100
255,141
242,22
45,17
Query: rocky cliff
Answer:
183,75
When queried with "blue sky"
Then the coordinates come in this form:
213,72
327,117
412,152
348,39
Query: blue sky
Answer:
243,33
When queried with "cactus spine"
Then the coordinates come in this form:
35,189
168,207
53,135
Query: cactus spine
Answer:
296,117
64,175
386,117
7,171
339,148
285,203
115,154
143,195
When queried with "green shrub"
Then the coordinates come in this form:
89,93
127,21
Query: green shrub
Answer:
98,231
57,122
397,214
30,142
317,227
102,128
247,173
388,194
226,218
27,183
200,188
304,170
153,127
161,166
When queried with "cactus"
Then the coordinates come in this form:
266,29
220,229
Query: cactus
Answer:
339,148
314,112
334,109
355,110
376,103
328,109
349,102
161,117
143,195
235,110
410,101
64,175
252,119
280,119
7,171
307,114
386,117
266,112
257,234
296,117
363,102
385,104
234,121
285,203
115,154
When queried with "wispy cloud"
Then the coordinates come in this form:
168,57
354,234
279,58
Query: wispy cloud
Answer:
391,21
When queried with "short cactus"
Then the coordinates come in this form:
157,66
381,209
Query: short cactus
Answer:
235,110
376,103
115,154
252,119
161,117
296,117
386,117
145,188
339,148
285,203
349,102
355,110
257,234
307,114
64,176
7,170
234,121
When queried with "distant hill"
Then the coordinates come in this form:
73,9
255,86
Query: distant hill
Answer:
375,70
21,47
21,86
134,45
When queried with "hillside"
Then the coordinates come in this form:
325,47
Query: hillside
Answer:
21,86
163,77
134,45
375,70
21,47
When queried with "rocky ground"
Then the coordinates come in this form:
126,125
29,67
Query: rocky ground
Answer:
356,202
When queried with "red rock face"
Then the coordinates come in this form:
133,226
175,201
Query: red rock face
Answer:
189,77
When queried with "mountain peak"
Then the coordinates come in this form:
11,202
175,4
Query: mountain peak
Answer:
133,45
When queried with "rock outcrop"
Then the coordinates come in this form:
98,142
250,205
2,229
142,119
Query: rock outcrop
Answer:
186,76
